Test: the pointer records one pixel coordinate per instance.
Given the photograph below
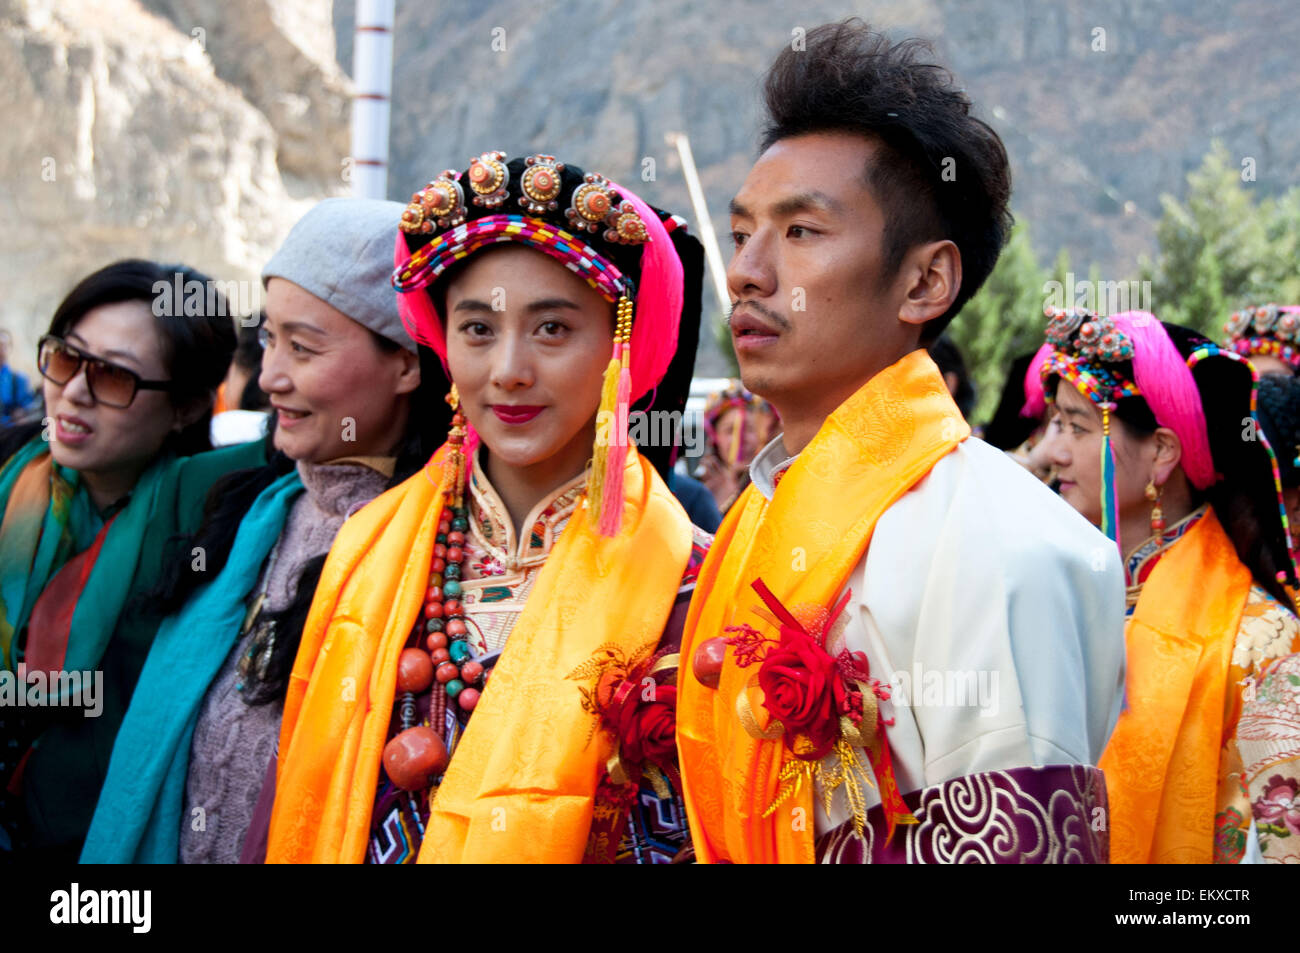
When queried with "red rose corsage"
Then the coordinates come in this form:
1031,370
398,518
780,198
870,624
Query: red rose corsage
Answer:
635,701
819,704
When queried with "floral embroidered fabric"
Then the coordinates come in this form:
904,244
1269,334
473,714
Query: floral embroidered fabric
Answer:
1268,632
1268,737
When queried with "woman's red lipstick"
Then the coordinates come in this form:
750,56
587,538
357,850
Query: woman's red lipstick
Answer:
516,413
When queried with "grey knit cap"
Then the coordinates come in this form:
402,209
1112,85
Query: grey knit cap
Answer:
342,252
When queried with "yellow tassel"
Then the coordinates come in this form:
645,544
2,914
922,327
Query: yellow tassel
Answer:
605,423
607,413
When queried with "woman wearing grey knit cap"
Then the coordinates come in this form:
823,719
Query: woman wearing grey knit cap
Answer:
192,774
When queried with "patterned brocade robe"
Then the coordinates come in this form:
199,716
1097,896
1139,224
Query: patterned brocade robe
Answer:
1180,788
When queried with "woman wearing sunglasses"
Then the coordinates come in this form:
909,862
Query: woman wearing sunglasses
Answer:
90,498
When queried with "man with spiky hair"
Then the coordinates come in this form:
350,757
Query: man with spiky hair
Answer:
894,617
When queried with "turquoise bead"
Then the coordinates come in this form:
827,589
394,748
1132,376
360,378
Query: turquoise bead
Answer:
451,588
454,687
459,651
460,524
433,625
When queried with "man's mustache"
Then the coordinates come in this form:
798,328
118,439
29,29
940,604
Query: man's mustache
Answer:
780,321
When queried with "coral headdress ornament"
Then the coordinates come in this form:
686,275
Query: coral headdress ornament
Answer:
1080,345
1109,359
605,234
1266,330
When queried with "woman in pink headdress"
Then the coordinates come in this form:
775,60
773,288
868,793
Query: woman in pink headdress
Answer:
738,424
537,547
1162,449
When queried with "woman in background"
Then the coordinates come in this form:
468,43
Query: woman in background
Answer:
738,425
1269,731
90,500
1153,452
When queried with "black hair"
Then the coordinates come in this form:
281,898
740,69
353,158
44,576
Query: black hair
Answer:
940,173
196,347
947,356
1245,498
248,358
1008,429
1279,418
672,392
13,437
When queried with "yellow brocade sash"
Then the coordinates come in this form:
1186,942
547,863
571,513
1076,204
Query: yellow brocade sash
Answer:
523,777
1162,760
804,544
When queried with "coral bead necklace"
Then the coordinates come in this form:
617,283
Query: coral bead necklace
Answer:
417,754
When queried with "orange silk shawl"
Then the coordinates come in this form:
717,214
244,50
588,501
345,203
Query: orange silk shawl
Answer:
523,777
1162,760
804,544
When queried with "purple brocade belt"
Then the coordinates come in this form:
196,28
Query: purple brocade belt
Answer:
1056,814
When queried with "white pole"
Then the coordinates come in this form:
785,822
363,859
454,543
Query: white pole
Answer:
372,68
712,254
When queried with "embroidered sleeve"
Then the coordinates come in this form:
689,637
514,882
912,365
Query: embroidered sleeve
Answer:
1268,736
1267,632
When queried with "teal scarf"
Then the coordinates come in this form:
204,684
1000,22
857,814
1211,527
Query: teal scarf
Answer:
138,818
48,522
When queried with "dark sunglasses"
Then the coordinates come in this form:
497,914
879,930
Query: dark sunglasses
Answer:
109,384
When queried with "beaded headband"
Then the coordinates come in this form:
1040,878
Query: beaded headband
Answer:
427,263
737,397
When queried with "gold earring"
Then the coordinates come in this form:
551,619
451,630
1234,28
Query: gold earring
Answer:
1153,493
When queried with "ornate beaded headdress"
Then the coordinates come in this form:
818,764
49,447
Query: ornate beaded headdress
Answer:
1131,354
1081,344
734,397
1266,330
601,231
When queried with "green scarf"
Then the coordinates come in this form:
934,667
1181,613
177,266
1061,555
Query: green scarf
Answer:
49,517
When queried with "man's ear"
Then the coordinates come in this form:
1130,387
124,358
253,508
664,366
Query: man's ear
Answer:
932,273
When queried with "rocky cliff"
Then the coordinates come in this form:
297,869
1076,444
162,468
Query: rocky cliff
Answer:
1103,104
132,133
